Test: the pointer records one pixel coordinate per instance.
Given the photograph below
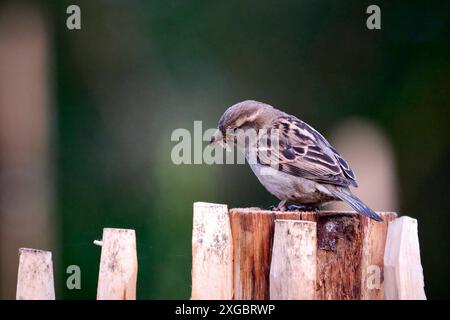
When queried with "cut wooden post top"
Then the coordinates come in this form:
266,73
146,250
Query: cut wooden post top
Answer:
315,213
119,230
200,204
259,210
34,251
288,223
310,215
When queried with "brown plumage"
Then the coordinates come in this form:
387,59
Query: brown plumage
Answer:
301,167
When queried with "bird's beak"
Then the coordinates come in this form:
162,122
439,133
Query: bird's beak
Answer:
216,137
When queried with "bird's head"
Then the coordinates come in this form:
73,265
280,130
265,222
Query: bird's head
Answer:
242,117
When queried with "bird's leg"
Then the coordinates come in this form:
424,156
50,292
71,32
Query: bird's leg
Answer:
294,207
281,206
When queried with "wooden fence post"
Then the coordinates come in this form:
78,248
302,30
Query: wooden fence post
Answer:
350,255
252,233
341,236
249,253
118,265
35,276
402,267
294,260
212,267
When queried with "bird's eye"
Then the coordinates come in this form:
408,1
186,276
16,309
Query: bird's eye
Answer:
234,129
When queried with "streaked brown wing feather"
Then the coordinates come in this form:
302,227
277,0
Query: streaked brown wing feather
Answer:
305,153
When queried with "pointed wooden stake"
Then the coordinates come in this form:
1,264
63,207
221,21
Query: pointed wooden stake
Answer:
35,276
118,265
402,267
294,260
212,267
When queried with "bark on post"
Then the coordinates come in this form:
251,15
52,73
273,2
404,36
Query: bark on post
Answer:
350,255
403,269
212,267
118,265
35,276
294,260
252,233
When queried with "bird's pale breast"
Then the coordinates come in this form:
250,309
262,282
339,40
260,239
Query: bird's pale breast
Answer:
291,188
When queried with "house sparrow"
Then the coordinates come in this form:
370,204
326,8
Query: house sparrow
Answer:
307,170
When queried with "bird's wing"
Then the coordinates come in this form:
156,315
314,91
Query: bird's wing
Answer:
302,151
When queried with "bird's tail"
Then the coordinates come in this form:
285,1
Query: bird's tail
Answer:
345,195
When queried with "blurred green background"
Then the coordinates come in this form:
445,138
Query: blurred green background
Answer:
137,70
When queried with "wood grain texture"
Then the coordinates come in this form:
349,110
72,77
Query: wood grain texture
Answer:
294,260
350,249
350,245
35,275
372,260
403,268
118,265
212,266
339,257
252,232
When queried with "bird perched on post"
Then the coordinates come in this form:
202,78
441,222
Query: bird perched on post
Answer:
297,164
